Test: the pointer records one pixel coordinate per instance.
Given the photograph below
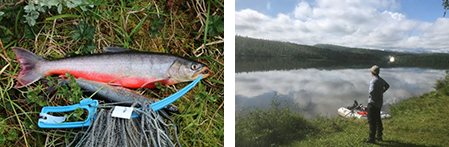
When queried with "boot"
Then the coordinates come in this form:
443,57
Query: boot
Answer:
369,140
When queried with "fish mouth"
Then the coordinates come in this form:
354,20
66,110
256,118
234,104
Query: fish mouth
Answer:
200,73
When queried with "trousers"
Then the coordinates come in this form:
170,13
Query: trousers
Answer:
374,121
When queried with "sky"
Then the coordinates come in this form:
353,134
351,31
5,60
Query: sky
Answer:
400,25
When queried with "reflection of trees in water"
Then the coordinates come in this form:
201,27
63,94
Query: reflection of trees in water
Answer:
249,64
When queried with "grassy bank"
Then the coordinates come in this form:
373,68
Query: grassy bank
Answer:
418,121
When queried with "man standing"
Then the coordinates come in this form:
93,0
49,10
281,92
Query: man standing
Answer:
377,88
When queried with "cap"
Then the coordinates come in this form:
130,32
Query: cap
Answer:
375,69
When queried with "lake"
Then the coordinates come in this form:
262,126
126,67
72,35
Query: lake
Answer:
320,92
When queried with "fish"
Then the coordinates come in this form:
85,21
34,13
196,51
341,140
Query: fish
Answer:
117,66
110,93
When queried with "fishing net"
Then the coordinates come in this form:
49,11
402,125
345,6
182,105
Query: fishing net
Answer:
149,129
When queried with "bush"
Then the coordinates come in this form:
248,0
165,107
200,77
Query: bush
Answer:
278,125
442,82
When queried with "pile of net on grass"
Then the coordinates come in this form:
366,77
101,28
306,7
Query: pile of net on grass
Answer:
149,129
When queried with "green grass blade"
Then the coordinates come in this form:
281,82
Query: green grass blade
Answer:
62,16
137,28
207,24
216,81
17,22
218,3
208,58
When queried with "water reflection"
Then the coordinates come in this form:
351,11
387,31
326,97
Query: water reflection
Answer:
321,92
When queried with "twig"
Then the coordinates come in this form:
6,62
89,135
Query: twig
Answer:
1,44
207,44
11,4
208,126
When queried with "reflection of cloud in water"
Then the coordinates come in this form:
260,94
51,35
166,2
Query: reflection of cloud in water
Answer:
263,101
322,92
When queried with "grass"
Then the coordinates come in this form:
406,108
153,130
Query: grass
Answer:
416,122
184,28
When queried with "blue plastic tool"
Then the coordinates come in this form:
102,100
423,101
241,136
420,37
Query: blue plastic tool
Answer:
49,121
91,105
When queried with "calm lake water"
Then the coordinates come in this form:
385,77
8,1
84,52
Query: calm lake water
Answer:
317,92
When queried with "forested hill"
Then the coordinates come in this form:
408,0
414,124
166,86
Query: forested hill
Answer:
355,50
251,52
251,47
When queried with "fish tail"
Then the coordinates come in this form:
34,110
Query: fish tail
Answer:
27,61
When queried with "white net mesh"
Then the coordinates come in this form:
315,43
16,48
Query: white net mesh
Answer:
149,129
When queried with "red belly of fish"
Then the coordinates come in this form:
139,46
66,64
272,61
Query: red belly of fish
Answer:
124,81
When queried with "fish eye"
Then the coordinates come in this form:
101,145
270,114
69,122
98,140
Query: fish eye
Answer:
194,66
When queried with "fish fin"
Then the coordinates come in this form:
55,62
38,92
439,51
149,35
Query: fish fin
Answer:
151,84
27,61
115,49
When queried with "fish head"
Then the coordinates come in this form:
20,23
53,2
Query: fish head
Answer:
185,70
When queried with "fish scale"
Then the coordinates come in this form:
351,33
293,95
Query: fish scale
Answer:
126,68
129,65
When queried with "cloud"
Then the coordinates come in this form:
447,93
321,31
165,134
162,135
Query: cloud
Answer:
355,23
303,10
